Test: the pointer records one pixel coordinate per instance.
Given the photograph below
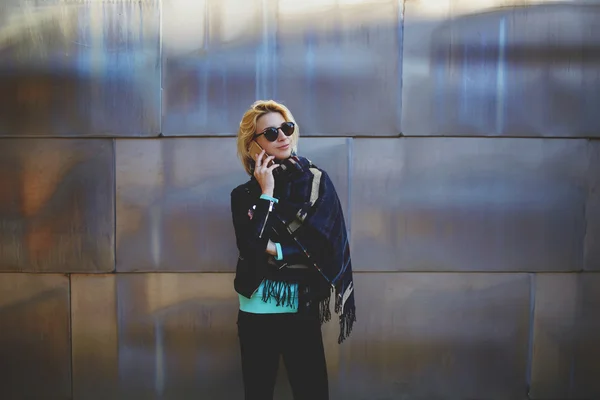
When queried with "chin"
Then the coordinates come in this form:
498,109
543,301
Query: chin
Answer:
283,155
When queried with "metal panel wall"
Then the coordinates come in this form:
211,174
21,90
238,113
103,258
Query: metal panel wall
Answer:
566,337
151,336
173,211
457,204
477,68
587,339
79,68
556,313
457,242
437,336
592,233
165,347
56,205
173,204
317,57
177,337
94,324
35,355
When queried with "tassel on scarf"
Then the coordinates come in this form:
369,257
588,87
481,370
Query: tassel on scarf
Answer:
347,313
324,310
347,320
281,292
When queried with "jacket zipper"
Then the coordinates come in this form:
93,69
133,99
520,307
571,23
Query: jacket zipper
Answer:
266,218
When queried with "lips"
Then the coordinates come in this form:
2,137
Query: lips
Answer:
284,147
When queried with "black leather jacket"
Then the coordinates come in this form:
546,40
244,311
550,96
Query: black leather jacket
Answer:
255,221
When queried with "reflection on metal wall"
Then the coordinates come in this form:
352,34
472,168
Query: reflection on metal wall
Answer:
56,205
318,57
79,68
469,251
458,204
35,360
94,67
470,69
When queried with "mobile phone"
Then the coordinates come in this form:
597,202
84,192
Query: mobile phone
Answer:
255,150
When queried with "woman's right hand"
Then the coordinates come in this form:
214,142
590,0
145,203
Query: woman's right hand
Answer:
264,174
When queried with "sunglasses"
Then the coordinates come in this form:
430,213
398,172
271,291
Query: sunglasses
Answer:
272,133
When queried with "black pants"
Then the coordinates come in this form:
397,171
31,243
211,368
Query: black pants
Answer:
297,337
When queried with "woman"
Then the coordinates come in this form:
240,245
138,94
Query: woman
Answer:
293,255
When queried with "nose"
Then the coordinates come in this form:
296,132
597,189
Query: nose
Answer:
281,135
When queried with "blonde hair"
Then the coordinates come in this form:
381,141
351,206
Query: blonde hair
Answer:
248,129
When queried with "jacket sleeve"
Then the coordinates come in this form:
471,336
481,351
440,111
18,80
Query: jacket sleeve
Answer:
292,254
252,221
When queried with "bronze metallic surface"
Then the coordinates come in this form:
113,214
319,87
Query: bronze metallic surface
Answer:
592,234
566,337
80,68
469,204
35,356
336,64
56,205
501,68
173,199
437,336
94,321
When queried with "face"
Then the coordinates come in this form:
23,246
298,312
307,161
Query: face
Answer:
280,148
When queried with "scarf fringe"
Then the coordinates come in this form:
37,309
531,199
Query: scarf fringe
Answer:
347,315
324,310
281,292
347,320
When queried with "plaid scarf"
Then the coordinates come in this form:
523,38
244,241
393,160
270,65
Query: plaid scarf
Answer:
312,214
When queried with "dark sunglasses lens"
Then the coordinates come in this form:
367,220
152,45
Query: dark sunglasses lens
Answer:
271,134
287,128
